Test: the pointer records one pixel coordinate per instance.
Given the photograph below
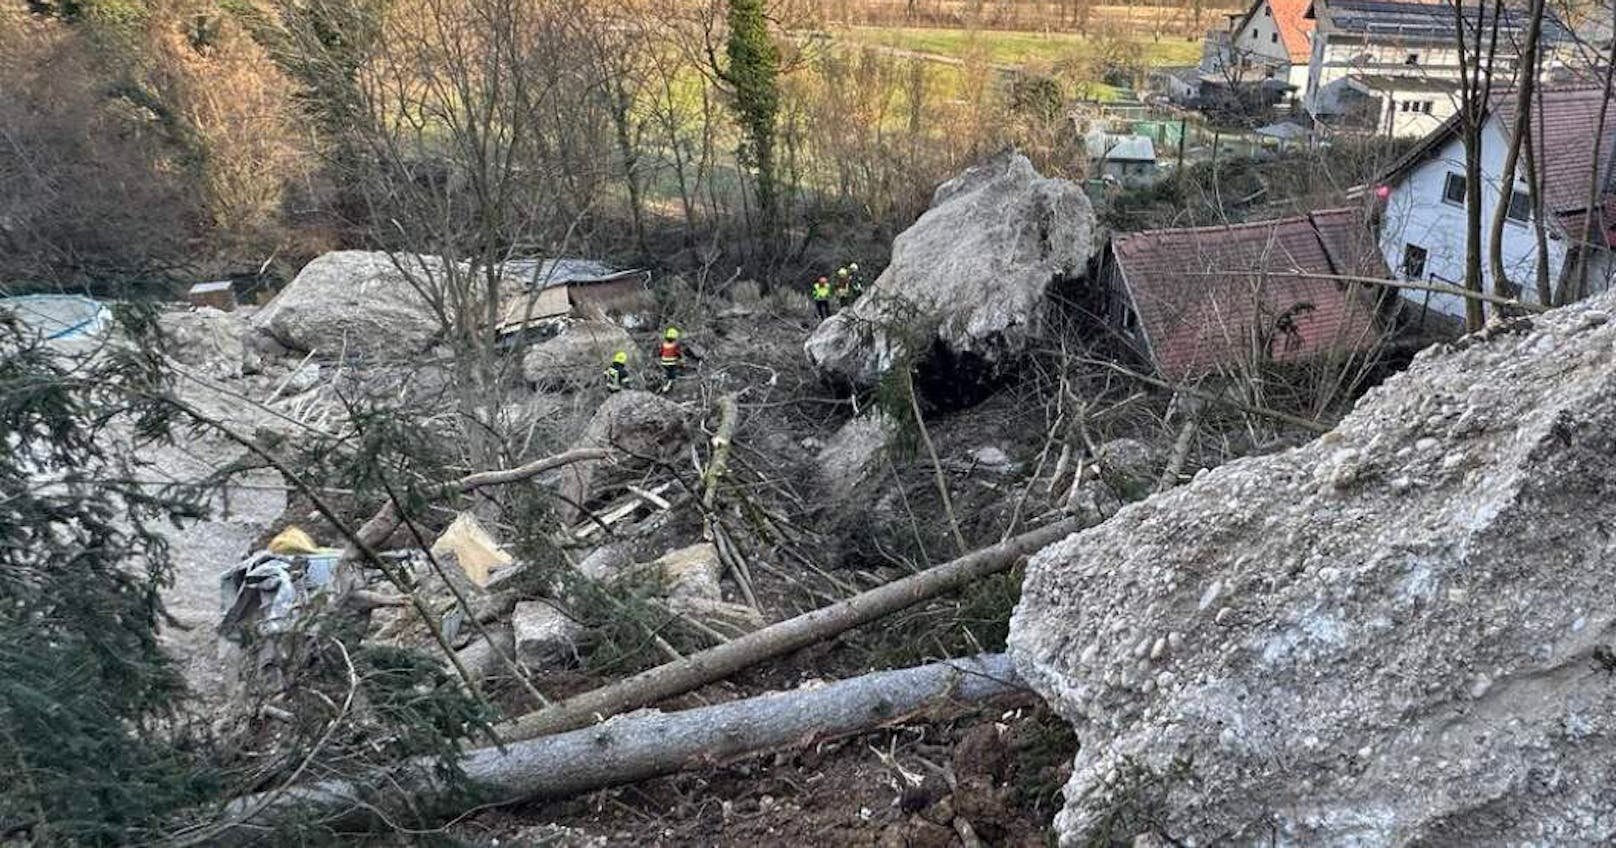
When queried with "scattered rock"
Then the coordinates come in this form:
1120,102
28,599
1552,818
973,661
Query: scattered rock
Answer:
967,282
260,341
1421,658
481,660
690,572
305,376
639,425
992,458
916,833
854,455
545,636
607,562
1129,466
213,342
577,356
981,752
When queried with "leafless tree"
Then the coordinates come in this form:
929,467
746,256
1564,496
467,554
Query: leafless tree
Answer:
1476,38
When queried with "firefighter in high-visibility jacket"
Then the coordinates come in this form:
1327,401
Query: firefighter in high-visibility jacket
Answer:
617,372
844,288
821,298
671,355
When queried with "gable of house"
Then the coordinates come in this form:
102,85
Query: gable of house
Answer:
1295,28
1208,298
1277,29
1570,143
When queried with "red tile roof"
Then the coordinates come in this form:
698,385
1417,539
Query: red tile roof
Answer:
1570,142
1292,22
1290,18
1207,296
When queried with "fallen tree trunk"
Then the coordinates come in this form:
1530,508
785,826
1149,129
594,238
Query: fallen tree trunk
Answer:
728,413
718,663
623,750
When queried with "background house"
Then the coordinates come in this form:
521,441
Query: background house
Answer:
1422,233
1402,106
1127,159
1374,41
1269,43
1209,299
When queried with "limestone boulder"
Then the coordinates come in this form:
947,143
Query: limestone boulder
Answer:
640,427
355,302
966,287
1402,633
577,356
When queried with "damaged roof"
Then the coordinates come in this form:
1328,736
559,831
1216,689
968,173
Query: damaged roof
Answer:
547,273
1205,296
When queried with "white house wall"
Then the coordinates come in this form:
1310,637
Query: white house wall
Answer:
1259,40
1417,214
1259,43
1337,57
1414,124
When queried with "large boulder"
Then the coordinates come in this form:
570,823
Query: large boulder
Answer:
967,282
640,427
355,301
1399,634
577,356
853,456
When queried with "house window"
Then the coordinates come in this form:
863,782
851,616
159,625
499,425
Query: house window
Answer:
1267,12
1273,38
1520,206
1413,59
1413,262
1453,189
1129,320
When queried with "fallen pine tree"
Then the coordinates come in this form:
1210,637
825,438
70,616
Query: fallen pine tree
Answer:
626,749
718,663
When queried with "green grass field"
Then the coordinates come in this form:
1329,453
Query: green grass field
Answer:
1012,48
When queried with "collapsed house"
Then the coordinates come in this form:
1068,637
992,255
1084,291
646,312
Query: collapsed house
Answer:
1201,300
554,288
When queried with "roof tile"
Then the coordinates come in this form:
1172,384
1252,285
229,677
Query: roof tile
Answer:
1207,297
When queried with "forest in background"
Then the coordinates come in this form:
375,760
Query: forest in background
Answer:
150,142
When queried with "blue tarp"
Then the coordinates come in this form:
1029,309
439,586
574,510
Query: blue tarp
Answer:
59,317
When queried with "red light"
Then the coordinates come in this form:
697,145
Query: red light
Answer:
1383,191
